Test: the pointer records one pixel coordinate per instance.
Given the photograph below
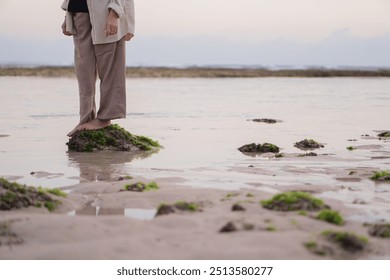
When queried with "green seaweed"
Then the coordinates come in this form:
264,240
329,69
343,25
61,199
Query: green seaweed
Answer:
259,148
384,134
142,187
16,196
346,240
380,230
112,137
330,216
293,201
381,176
270,228
187,206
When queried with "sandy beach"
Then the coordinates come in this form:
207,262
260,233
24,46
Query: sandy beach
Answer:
200,164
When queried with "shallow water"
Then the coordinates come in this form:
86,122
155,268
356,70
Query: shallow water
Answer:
201,123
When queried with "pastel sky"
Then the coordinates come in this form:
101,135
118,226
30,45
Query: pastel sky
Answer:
185,25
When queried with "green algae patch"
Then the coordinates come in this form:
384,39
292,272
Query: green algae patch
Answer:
350,148
346,240
384,134
113,137
316,248
308,144
380,230
330,216
17,196
141,187
179,206
381,176
294,201
8,237
259,148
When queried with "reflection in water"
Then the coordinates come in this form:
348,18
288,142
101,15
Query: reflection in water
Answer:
103,165
139,214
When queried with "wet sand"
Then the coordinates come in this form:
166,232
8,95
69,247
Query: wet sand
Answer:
199,163
99,221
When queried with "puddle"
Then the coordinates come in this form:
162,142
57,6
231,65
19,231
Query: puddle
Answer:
134,213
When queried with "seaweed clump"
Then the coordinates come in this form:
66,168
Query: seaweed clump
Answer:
347,241
113,138
181,206
294,201
380,230
16,196
381,176
330,216
142,187
384,134
308,144
259,148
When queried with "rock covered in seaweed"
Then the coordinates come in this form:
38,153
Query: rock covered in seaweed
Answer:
308,144
16,196
259,148
113,138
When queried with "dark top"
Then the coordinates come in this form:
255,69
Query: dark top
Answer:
78,6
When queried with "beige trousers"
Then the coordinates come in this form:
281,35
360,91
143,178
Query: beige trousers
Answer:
108,61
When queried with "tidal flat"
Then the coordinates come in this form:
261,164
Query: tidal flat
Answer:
200,124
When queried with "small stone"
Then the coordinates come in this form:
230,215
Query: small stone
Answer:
229,227
238,207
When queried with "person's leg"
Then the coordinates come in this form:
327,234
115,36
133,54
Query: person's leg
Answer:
111,63
85,66
111,67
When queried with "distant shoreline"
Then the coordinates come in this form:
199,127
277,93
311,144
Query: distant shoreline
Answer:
200,72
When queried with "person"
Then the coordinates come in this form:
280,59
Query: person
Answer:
99,29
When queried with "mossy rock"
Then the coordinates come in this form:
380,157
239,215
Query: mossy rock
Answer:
330,216
16,196
142,187
380,230
381,176
180,206
347,241
384,134
113,137
259,148
308,144
294,201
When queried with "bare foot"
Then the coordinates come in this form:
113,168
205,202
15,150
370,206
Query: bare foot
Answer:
94,125
74,130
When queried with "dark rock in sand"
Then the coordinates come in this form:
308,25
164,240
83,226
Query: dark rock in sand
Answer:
308,144
311,154
380,230
238,207
113,138
259,149
269,121
229,227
